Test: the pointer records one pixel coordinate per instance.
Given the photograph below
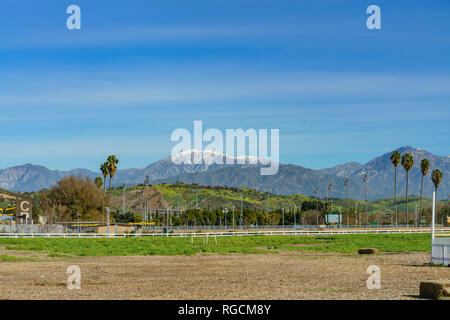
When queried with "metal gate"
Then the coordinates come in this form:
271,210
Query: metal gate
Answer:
440,251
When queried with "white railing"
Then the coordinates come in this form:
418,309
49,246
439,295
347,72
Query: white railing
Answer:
227,233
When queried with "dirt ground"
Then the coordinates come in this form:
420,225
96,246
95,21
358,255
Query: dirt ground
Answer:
287,275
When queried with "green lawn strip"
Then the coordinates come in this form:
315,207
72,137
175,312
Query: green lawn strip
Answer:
5,257
168,246
383,242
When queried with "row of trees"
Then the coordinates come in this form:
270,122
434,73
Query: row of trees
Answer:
407,162
306,214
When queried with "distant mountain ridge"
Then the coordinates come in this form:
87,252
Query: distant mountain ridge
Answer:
291,179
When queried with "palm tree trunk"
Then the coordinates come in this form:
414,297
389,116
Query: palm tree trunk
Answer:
407,197
395,196
420,203
103,201
109,191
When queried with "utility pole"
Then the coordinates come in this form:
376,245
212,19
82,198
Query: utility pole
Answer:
242,208
267,208
123,200
146,199
107,219
283,216
233,217
295,218
330,187
346,197
415,217
316,191
365,195
225,210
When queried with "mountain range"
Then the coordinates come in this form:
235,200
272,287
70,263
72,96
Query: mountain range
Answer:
290,179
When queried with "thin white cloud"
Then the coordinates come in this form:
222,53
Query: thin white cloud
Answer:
91,89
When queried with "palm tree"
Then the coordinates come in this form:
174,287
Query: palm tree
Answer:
395,159
407,163
346,196
365,193
105,172
112,162
436,177
424,167
98,182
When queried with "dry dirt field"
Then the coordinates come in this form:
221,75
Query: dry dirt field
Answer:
288,275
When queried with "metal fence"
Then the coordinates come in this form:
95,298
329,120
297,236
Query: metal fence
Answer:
440,251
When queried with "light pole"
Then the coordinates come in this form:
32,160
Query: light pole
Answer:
233,217
146,198
242,209
168,216
365,194
107,219
123,200
330,188
283,217
295,218
415,217
225,213
346,197
316,191
356,215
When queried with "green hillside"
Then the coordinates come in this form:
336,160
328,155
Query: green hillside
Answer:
216,197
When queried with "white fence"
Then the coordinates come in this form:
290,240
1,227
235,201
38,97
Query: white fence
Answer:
327,232
440,251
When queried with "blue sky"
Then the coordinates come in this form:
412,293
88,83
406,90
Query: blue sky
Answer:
139,69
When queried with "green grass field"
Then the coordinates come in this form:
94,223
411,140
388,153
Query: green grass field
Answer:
165,246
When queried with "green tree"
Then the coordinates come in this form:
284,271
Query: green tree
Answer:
407,163
395,159
424,167
73,198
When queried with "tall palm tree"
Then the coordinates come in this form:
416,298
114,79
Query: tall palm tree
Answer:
424,167
105,172
346,196
407,163
365,193
112,168
436,177
395,159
